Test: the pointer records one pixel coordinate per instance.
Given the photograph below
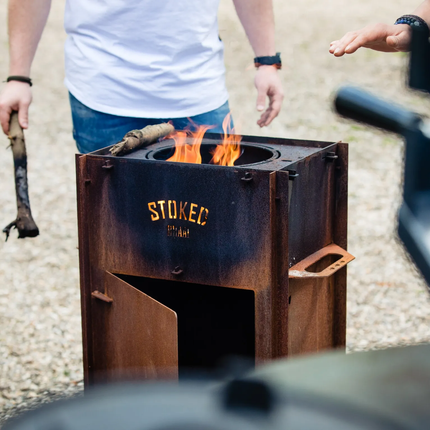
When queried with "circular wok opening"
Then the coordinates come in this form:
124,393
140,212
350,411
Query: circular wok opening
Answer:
250,154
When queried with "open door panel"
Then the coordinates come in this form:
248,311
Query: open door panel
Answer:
134,337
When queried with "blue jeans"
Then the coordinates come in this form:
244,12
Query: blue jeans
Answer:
93,130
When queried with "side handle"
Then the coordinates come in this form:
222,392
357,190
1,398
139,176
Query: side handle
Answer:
322,263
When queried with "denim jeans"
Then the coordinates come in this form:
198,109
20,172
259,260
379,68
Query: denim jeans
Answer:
93,130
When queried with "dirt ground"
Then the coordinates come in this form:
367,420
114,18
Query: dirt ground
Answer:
40,327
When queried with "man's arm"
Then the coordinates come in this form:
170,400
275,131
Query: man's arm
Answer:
257,19
26,21
380,37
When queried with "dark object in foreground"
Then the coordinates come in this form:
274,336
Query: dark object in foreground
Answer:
370,390
136,139
414,215
24,221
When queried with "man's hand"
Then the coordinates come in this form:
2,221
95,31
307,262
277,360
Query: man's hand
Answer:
380,37
268,84
15,96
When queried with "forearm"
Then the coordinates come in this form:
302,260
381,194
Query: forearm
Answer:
257,19
423,11
26,21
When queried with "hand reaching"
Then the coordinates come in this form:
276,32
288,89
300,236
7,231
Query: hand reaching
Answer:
268,84
380,37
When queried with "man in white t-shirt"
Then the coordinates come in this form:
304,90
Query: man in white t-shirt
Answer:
134,63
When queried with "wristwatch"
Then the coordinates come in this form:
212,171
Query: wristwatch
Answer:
274,60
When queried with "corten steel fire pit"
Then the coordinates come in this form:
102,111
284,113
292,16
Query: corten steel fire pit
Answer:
183,264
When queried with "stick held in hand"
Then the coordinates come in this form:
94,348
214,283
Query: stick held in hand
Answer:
24,221
135,139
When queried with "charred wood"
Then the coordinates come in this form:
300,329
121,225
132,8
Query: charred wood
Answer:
136,139
24,222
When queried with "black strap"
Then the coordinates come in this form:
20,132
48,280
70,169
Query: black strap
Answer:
274,60
20,79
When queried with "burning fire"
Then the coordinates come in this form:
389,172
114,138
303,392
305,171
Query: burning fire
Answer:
224,154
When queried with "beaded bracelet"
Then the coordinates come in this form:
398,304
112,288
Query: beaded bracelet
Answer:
414,21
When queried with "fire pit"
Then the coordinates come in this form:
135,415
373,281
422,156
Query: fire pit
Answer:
184,264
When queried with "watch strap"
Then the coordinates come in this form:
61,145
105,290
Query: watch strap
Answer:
25,79
273,60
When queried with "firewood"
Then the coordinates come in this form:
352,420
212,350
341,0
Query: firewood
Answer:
24,221
137,138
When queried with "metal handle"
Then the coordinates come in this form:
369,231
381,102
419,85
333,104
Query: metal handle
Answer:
100,296
362,106
302,269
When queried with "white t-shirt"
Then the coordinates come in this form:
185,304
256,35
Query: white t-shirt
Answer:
147,58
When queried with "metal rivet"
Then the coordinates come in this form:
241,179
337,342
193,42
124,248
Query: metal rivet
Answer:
177,271
107,165
247,177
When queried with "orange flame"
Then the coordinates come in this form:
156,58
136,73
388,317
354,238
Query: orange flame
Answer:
229,151
188,153
224,155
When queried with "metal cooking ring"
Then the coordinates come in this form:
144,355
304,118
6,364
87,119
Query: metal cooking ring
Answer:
275,153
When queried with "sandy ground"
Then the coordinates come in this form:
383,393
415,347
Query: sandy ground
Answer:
40,337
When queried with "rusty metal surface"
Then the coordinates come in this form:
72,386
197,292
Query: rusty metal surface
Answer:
280,287
311,320
287,151
322,264
137,334
100,296
340,238
249,225
213,322
312,207
222,237
84,267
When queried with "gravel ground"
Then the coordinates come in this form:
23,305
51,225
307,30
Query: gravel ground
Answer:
40,339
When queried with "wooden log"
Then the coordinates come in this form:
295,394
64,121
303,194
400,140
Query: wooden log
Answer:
136,139
24,222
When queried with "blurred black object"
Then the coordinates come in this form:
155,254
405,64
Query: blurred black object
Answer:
376,390
414,215
419,62
239,405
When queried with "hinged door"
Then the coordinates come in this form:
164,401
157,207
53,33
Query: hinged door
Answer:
135,337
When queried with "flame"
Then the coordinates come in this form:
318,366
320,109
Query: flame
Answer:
224,155
229,151
185,152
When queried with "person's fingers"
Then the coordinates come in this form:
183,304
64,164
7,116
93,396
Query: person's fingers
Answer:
356,43
400,42
16,96
5,112
272,111
333,46
261,97
393,41
338,48
23,114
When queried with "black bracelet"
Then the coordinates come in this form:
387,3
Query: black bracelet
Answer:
413,21
20,79
274,60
